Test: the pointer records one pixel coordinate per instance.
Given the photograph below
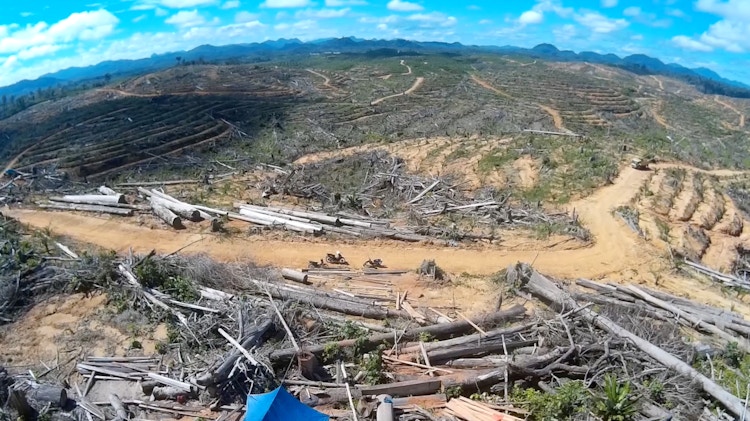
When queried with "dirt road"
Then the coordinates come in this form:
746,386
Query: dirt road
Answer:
326,79
616,254
613,251
661,84
414,87
408,72
733,108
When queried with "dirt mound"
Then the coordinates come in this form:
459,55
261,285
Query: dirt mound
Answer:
74,323
691,242
691,195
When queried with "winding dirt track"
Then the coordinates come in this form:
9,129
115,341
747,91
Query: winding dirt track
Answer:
408,72
661,84
733,108
414,87
612,251
326,79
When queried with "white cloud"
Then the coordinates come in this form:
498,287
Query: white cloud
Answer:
26,14
609,3
731,9
231,4
322,13
244,16
139,18
473,7
404,6
637,37
676,13
160,12
171,4
599,23
536,14
185,18
39,51
82,26
690,44
9,63
279,4
632,11
565,32
343,3
485,22
429,20
136,46
530,17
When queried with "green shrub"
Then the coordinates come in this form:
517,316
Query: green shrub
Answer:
616,402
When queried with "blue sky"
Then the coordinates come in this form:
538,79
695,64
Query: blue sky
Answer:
41,37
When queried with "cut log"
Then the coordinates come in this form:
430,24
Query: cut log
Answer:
87,208
442,355
266,219
328,302
423,192
159,183
167,215
407,388
439,331
476,339
107,191
295,275
162,393
696,322
182,209
558,299
17,400
44,394
120,411
220,374
92,199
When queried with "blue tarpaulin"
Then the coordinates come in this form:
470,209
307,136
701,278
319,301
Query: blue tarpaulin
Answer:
279,405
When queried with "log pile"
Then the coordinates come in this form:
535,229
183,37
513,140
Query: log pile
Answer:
107,201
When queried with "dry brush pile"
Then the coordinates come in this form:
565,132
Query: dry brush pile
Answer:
615,352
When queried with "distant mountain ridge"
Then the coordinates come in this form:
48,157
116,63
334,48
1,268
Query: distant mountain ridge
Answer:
704,79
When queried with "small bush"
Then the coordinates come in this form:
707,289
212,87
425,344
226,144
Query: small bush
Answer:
615,403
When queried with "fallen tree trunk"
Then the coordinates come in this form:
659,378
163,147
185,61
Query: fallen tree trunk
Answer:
43,394
182,209
695,321
439,331
87,208
221,373
267,219
295,275
558,299
107,191
477,339
92,199
328,302
166,215
438,356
